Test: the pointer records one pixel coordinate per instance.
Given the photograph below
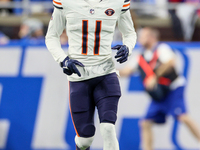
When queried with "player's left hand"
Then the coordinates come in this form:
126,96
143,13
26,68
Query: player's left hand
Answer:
151,82
122,53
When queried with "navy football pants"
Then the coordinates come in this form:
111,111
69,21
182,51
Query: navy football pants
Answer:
102,92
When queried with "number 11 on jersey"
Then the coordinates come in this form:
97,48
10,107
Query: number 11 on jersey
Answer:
97,36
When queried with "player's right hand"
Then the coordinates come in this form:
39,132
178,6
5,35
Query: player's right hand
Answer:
69,66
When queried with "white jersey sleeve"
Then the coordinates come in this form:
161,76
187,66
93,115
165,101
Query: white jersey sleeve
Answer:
56,26
125,26
165,53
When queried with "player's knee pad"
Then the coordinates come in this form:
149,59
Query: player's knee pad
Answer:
83,143
87,130
109,117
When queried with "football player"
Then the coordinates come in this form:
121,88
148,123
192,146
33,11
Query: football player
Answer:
93,81
164,84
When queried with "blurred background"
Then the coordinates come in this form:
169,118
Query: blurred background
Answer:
178,20
34,110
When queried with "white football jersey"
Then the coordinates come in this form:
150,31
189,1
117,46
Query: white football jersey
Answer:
90,28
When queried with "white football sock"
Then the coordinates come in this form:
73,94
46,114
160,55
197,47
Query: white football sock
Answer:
83,143
109,136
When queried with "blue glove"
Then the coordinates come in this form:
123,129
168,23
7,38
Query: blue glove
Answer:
122,53
70,65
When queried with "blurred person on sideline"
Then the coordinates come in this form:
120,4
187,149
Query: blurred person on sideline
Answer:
35,7
152,8
156,65
187,13
3,39
5,11
176,24
31,31
184,18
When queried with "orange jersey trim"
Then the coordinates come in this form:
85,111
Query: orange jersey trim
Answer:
71,113
96,37
126,5
57,2
83,37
